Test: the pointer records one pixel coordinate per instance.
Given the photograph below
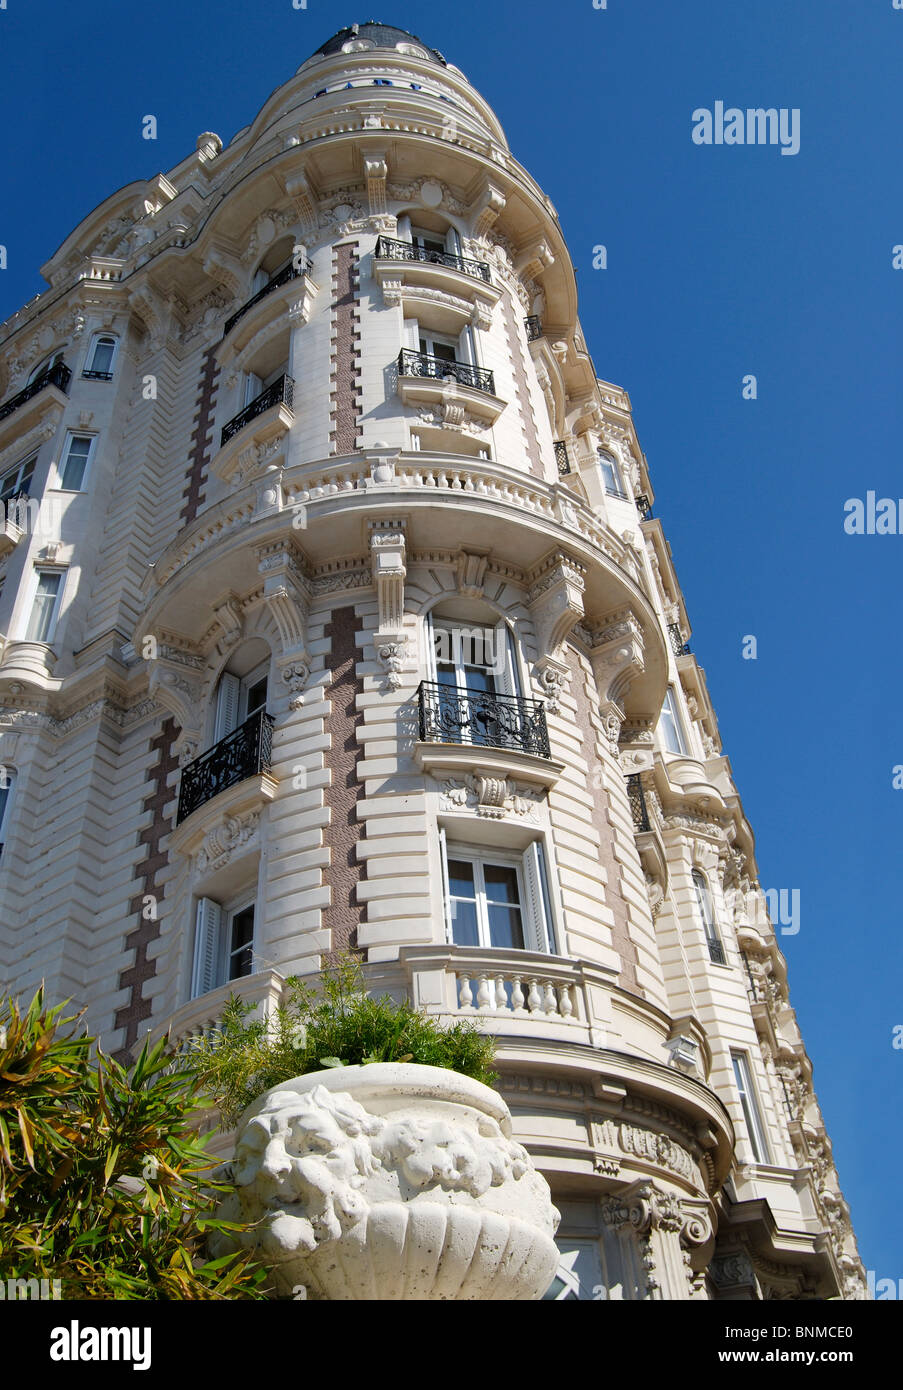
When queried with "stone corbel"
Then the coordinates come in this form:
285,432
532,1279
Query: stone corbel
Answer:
179,688
534,261
486,209
376,171
226,270
617,654
286,594
555,602
470,567
387,557
302,194
229,616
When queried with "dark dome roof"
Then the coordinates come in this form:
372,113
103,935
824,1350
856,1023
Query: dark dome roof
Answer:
380,35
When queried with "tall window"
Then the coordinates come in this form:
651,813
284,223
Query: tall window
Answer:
670,726
75,463
497,899
223,945
42,623
238,697
474,665
7,784
751,1113
611,474
707,915
16,481
100,360
44,366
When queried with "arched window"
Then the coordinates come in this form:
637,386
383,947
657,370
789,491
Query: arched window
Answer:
101,357
242,689
44,366
670,725
707,916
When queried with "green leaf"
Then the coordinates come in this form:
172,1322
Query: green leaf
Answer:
331,1062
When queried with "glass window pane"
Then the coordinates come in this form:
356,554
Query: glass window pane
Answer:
460,879
501,884
505,927
465,929
103,355
241,946
41,621
76,460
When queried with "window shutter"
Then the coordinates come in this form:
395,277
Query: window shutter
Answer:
7,784
538,916
467,347
431,672
412,329
507,680
452,242
403,228
446,897
207,932
226,706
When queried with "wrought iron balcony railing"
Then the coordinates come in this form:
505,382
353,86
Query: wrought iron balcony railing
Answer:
58,375
562,458
412,363
616,490
245,752
716,952
678,645
281,392
643,506
533,325
450,714
389,249
282,277
89,374
637,798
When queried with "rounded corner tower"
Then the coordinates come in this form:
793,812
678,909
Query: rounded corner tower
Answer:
335,618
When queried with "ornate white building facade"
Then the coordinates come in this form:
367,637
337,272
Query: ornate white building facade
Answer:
334,616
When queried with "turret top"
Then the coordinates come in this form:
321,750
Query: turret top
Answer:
372,34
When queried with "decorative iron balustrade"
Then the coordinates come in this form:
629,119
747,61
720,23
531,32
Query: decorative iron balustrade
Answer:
643,506
89,374
533,325
411,363
387,248
716,953
637,798
282,277
245,752
280,393
58,375
678,645
562,458
450,714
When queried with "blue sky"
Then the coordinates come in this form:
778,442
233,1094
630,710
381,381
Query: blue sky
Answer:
722,261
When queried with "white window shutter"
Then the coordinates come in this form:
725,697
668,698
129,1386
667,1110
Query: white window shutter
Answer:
537,923
7,784
227,698
452,243
403,228
507,681
467,350
431,672
446,896
412,329
207,933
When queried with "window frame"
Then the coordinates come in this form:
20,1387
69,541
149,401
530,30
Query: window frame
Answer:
616,489
670,703
93,372
71,437
224,914
55,610
31,458
749,1104
705,907
538,924
7,786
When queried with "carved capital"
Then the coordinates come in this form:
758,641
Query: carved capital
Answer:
617,654
486,209
556,599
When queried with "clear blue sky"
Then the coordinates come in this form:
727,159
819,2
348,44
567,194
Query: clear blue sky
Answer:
722,261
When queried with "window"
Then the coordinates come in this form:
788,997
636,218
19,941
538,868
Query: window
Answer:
474,665
707,914
751,1114
611,474
44,366
7,783
495,898
237,698
436,345
42,623
223,945
670,726
16,481
100,360
75,463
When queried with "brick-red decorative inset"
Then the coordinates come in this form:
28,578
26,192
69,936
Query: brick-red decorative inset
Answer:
138,1009
345,405
344,914
201,439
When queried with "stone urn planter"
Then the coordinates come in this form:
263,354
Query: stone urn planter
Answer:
389,1182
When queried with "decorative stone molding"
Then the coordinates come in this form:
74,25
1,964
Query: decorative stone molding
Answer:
295,674
172,685
229,616
617,654
490,795
222,840
286,594
304,201
486,209
470,572
555,601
